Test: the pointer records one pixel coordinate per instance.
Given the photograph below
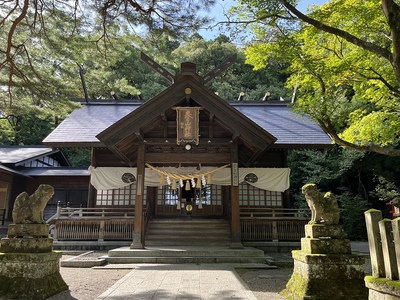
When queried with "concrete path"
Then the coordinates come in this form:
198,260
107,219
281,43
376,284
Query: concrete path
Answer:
180,281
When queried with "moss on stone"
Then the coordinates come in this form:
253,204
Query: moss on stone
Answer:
384,285
32,288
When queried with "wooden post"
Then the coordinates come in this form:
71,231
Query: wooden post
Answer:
91,190
389,254
101,231
372,218
396,240
236,240
137,242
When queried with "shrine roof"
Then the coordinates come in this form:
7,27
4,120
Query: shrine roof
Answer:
291,130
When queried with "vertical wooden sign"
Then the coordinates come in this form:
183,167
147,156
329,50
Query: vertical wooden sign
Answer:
187,125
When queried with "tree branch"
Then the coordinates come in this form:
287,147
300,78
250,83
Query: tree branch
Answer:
327,126
338,32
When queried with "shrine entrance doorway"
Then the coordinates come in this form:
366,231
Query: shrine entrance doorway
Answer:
196,202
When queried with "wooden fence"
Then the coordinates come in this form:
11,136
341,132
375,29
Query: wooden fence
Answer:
384,246
257,224
99,224
265,224
2,215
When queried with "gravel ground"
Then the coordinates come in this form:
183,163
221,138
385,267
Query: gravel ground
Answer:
88,283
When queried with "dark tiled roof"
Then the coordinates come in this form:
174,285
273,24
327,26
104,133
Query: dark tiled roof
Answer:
280,121
56,172
82,126
16,154
8,170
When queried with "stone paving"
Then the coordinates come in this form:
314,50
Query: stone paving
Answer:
187,281
180,281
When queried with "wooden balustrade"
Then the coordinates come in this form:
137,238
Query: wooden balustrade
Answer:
263,224
100,230
93,224
2,215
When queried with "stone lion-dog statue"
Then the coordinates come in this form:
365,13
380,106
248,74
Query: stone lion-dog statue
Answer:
324,208
29,209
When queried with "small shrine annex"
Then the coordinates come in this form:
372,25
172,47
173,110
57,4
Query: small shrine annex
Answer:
188,153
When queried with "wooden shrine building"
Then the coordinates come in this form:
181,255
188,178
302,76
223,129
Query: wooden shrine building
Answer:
187,153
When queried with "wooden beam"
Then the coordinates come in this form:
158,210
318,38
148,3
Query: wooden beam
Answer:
220,68
155,66
215,158
204,141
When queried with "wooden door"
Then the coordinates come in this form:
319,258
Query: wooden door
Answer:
206,201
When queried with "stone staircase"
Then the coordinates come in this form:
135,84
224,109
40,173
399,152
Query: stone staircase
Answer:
188,232
190,240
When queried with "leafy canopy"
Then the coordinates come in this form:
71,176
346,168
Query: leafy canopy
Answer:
344,64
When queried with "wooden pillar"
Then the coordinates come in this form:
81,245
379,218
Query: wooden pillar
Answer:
137,242
236,240
91,190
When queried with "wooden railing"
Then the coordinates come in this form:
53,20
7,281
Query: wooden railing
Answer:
2,215
384,247
266,224
93,224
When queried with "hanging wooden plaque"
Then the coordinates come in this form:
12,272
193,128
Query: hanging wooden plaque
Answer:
187,125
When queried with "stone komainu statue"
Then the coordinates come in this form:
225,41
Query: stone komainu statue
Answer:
29,209
324,208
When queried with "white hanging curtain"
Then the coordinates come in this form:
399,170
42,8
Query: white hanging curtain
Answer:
271,179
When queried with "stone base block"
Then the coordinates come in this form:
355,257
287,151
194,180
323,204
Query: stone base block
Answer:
382,288
326,246
320,231
28,230
329,276
26,245
30,275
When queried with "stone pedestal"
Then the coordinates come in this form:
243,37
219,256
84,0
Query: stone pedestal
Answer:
29,268
324,268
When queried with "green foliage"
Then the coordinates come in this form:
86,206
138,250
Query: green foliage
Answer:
78,157
239,77
342,65
352,210
385,190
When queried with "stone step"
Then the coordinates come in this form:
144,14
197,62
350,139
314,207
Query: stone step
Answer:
185,251
125,255
184,260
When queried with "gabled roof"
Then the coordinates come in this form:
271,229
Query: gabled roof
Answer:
18,155
290,129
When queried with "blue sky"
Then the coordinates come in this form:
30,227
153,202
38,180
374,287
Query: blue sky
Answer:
223,5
